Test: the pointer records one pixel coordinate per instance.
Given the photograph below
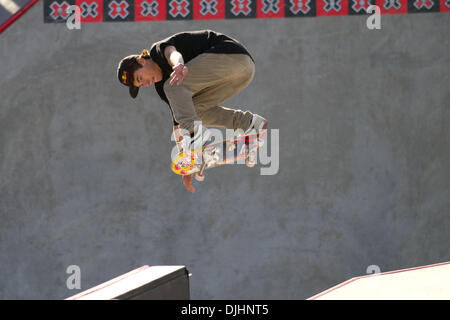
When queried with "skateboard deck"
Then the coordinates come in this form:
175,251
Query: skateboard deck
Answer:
236,150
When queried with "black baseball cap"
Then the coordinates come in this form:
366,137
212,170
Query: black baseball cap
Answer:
125,74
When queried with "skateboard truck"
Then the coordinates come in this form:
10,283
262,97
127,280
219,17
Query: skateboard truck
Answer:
210,157
199,176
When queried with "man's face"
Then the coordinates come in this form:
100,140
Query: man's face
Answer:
147,75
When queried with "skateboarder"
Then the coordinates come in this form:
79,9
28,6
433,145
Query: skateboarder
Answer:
194,73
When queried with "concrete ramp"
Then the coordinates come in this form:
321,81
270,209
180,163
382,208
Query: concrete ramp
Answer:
430,282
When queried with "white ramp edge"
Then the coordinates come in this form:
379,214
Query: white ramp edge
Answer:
431,282
128,282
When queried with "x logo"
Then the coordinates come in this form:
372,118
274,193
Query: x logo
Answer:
332,5
89,9
118,9
420,4
388,4
300,5
149,8
179,7
359,5
209,7
240,6
59,10
270,6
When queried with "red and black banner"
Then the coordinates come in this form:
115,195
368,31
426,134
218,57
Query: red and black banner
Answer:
157,10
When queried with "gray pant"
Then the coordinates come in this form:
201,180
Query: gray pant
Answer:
212,78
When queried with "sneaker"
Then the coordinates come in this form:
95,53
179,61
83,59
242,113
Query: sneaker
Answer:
202,136
258,123
250,160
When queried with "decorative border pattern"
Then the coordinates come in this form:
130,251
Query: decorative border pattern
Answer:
159,10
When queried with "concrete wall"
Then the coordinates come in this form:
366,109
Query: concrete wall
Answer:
364,175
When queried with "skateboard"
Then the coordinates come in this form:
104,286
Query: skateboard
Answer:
239,149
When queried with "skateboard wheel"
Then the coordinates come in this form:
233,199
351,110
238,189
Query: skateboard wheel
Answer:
250,161
260,143
199,177
249,164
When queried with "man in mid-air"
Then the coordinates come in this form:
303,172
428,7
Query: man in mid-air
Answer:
208,68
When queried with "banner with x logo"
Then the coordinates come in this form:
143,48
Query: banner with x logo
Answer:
55,11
